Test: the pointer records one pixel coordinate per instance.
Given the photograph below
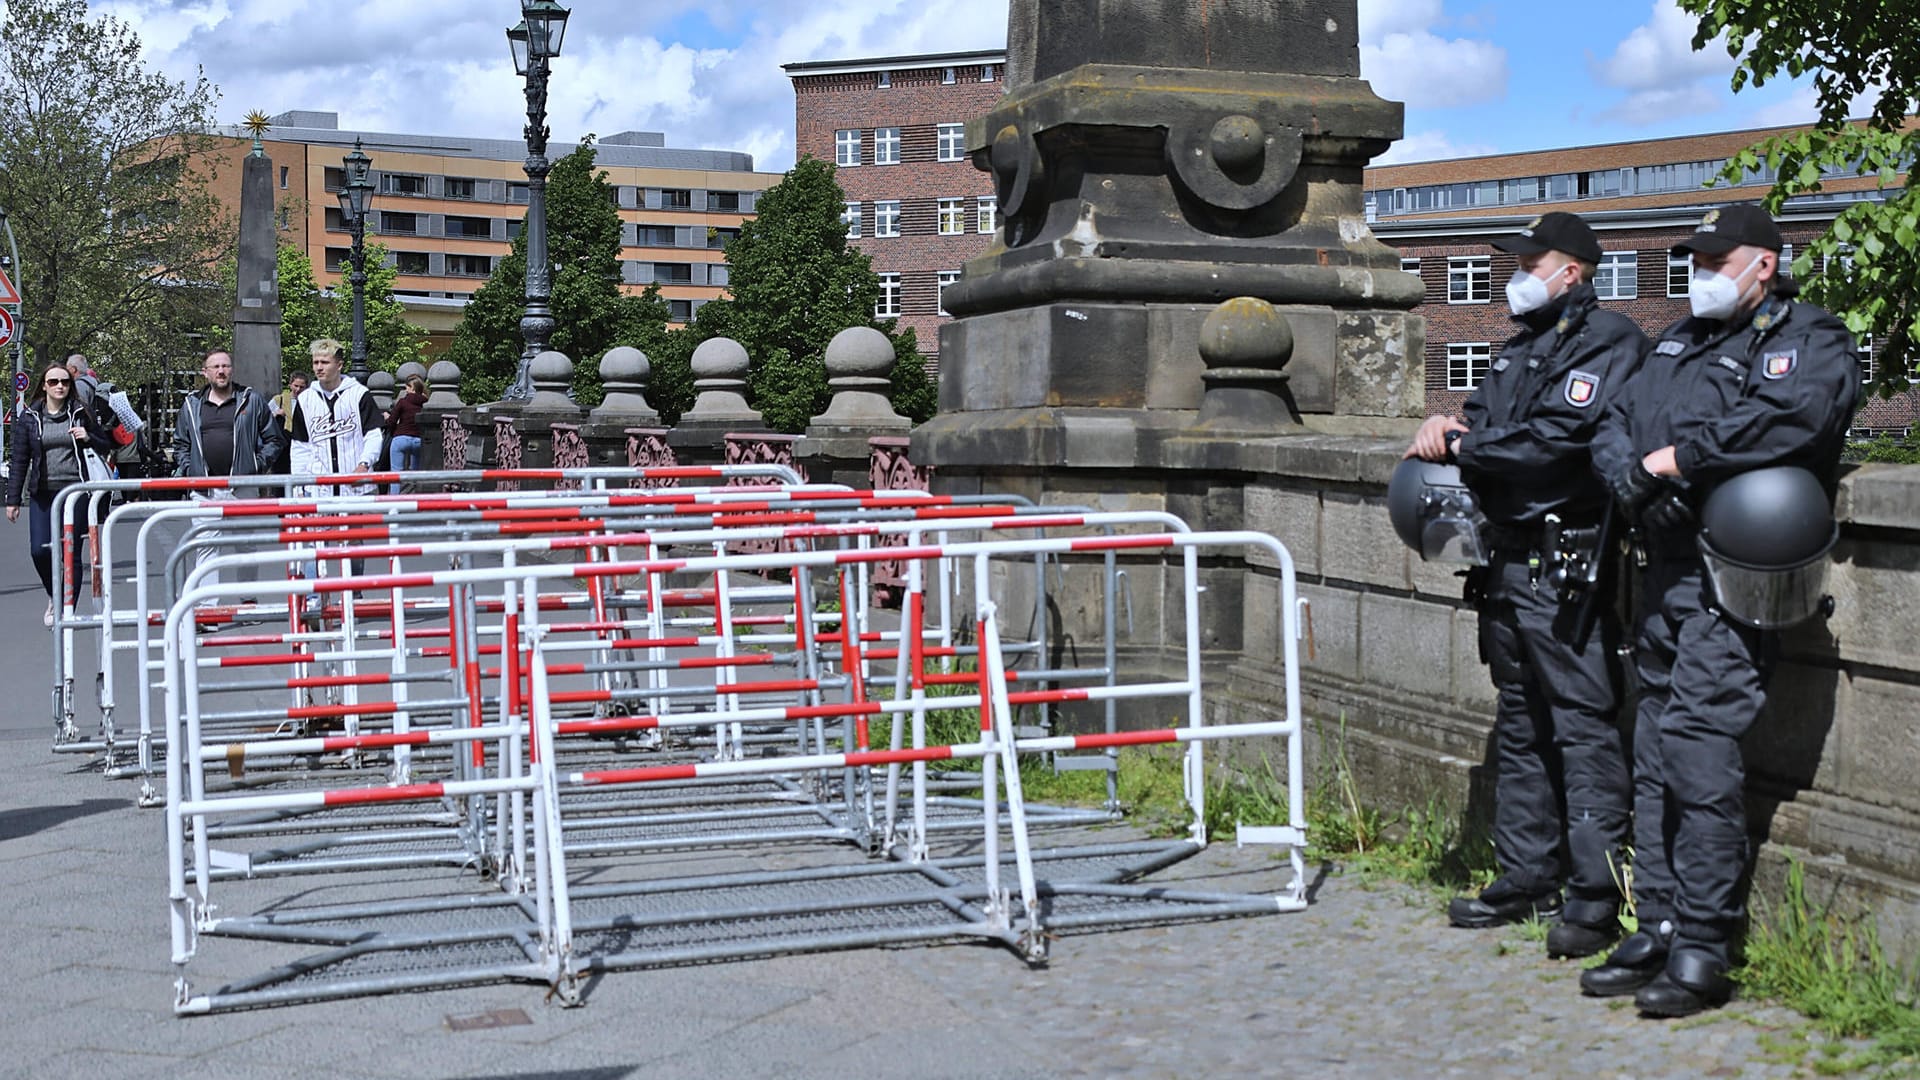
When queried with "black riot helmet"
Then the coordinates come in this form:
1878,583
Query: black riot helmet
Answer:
1764,537
1435,514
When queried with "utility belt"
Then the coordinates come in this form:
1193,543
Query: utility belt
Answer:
1568,557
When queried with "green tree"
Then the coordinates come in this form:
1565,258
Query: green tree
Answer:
308,312
913,393
795,283
1862,50
106,183
591,314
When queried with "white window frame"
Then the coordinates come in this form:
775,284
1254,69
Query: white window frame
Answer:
1464,358
950,142
1683,264
944,279
1469,279
850,214
1618,276
949,76
952,216
1864,349
986,73
1786,260
884,80
887,304
846,148
1410,266
986,213
886,217
886,146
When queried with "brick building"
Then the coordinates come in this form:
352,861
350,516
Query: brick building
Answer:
1640,198
895,129
447,207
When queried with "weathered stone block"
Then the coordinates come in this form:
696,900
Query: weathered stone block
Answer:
1794,743
1358,544
1333,631
1292,517
1407,644
1887,496
1876,591
1879,742
1382,364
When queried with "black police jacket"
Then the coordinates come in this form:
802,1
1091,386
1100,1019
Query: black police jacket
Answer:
1534,414
1775,388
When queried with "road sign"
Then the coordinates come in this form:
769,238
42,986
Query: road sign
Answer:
20,382
8,294
6,326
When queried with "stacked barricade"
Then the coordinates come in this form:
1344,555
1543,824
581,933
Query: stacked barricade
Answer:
383,718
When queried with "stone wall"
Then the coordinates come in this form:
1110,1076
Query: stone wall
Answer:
1393,668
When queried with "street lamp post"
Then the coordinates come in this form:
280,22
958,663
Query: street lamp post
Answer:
355,197
535,42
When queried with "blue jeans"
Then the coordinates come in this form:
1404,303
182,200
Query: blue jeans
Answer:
40,530
406,456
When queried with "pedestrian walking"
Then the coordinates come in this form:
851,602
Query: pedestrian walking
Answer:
334,425
224,429
1561,793
49,436
403,425
1752,381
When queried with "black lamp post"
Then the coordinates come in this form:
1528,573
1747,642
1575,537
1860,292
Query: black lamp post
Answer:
355,197
535,42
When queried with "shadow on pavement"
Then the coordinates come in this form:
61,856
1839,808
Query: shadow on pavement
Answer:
26,821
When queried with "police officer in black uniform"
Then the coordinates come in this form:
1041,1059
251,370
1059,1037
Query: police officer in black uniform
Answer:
1562,791
1753,379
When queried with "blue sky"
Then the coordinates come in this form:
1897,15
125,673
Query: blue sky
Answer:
1478,76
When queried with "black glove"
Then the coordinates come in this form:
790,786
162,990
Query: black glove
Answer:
1634,488
1668,513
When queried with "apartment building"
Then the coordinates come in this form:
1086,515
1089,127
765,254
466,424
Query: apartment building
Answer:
446,208
895,127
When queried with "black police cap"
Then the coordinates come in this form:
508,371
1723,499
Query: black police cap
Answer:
1557,231
1728,227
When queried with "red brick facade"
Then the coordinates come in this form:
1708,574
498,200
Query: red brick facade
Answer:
835,96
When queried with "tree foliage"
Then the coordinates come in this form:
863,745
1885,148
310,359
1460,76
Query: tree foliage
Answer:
105,181
590,312
795,283
308,312
1861,52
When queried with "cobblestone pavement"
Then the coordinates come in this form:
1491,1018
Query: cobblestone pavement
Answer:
1368,982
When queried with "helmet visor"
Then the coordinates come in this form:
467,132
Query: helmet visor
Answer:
1767,598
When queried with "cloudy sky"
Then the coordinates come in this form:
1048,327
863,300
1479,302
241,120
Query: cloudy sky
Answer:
1478,76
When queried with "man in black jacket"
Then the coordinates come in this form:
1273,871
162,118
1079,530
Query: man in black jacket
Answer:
224,429
1753,379
1521,442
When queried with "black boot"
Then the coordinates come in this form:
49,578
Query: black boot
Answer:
1571,940
1694,981
1638,961
1501,903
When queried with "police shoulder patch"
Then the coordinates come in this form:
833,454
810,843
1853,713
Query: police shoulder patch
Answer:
1501,364
1779,365
1670,347
1582,388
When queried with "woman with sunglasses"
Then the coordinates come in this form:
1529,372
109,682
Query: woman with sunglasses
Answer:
45,457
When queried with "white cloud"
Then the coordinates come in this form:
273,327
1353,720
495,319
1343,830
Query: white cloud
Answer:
1428,71
1659,54
1430,146
1378,18
1644,107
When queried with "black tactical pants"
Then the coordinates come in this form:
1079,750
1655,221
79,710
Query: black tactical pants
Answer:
1702,684
1560,766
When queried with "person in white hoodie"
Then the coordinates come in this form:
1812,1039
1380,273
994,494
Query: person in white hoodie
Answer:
335,425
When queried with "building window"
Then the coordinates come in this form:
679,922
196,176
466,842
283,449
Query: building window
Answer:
851,215
1679,275
335,222
1410,266
514,227
472,228
679,311
885,80
952,141
1467,363
946,278
676,199
987,213
393,224
846,148
718,239
517,193
986,73
723,202
653,236
335,179
1618,276
1786,260
948,77
459,187
886,217
886,146
888,306
283,178
953,217
410,262
1865,353
469,265
673,273
1469,279
402,184
336,260
718,274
